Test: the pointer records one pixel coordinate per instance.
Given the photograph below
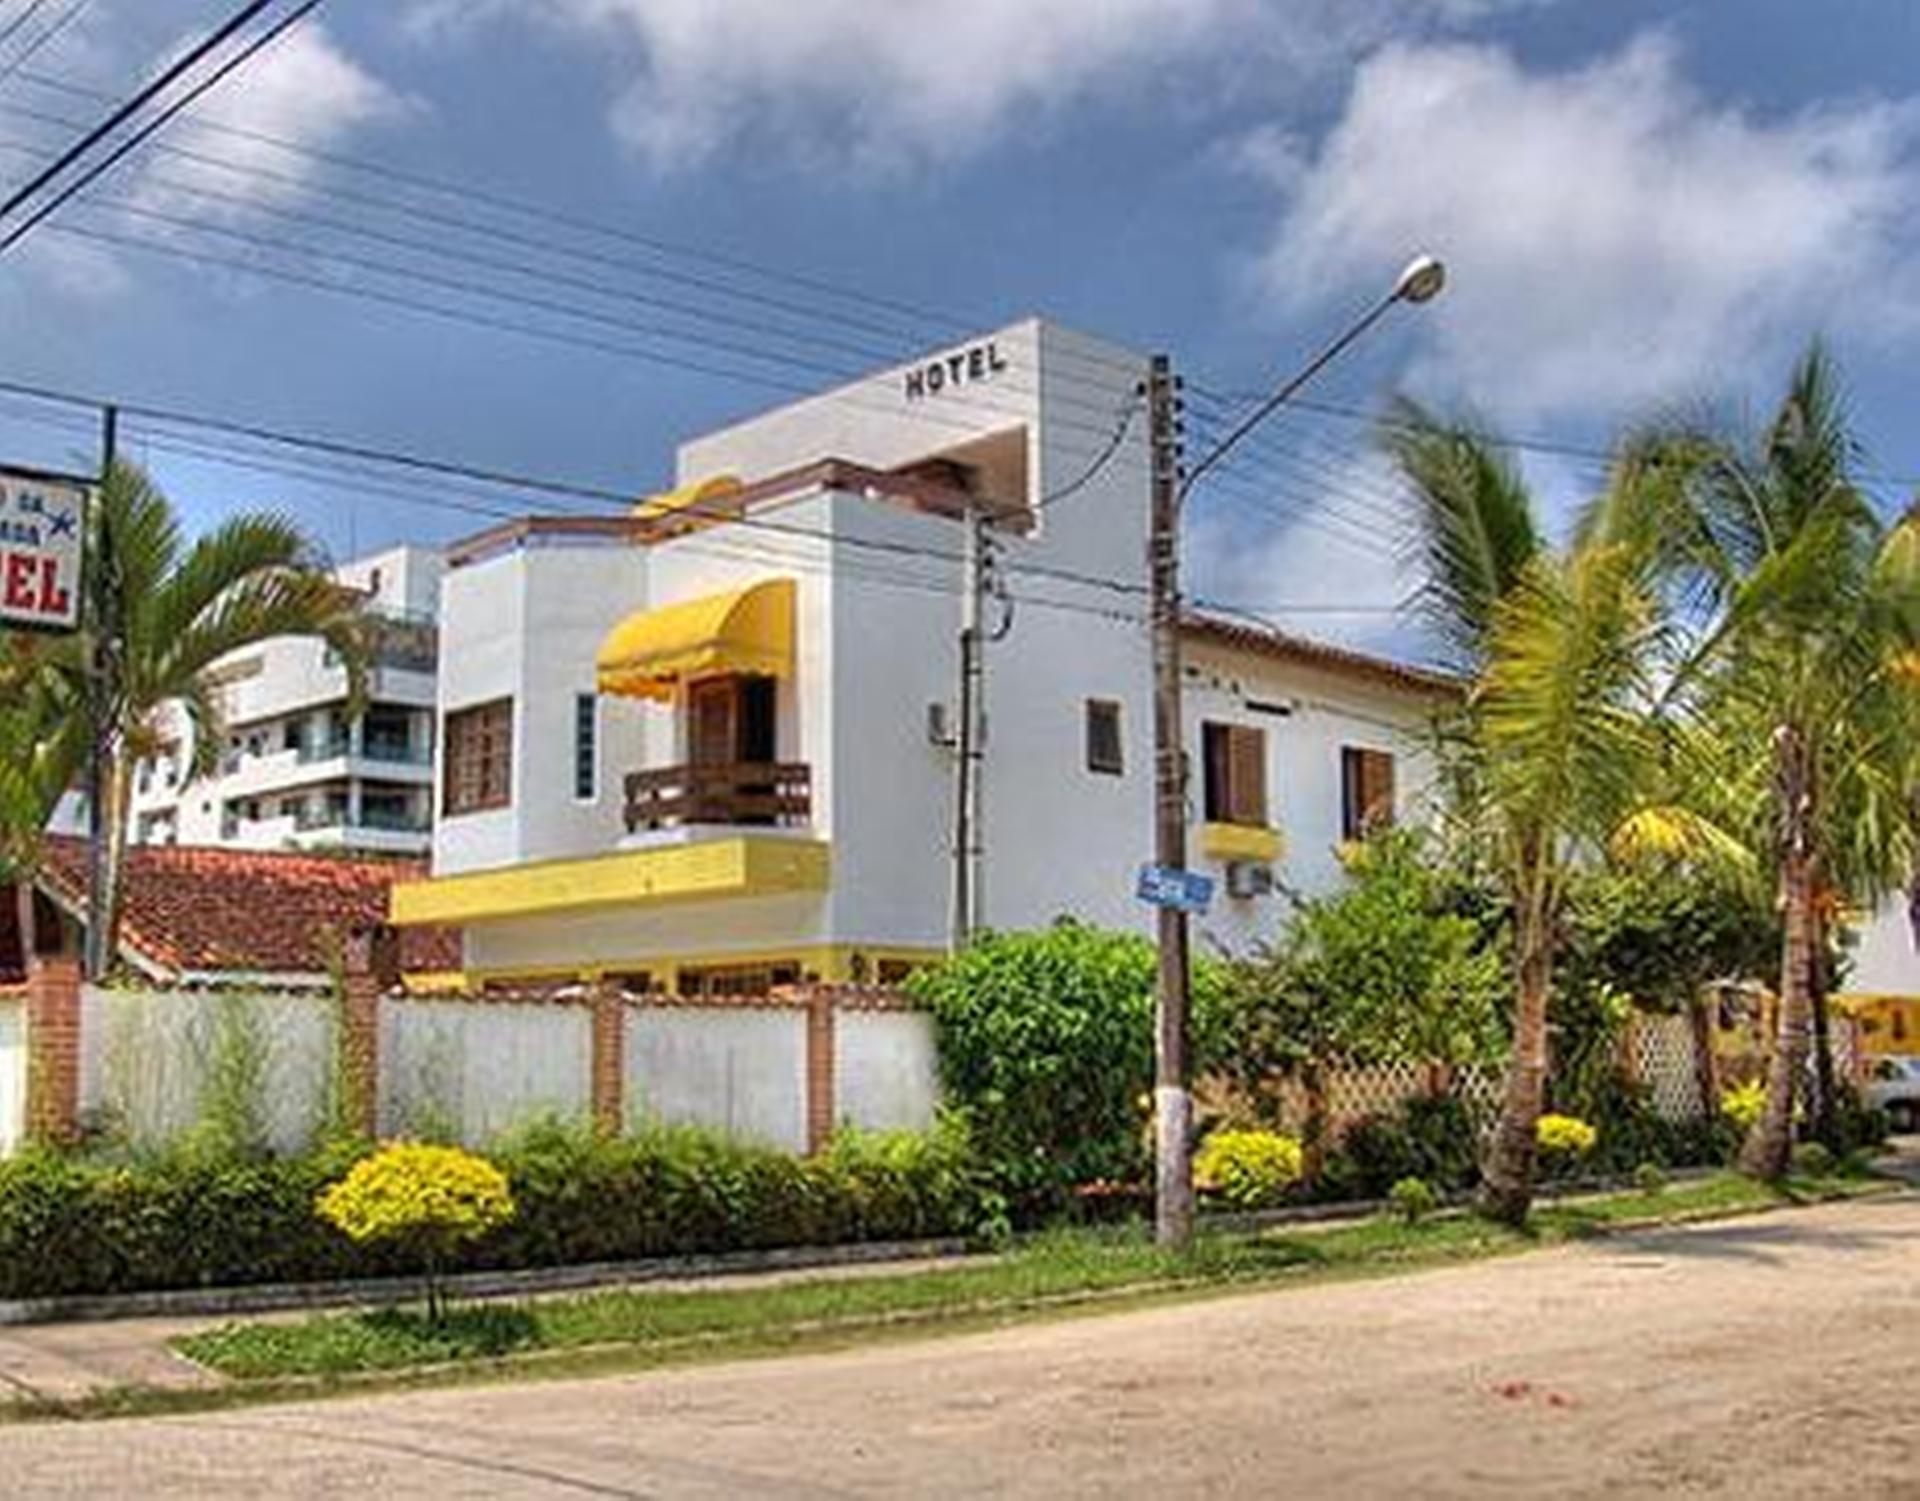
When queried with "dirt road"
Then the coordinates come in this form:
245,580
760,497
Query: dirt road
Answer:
1776,1356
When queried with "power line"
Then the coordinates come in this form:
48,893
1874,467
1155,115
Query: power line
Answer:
32,9
51,33
186,61
159,122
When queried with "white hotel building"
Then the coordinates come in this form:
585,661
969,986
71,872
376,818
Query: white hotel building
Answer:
698,749
294,771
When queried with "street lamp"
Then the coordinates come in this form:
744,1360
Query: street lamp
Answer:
1421,281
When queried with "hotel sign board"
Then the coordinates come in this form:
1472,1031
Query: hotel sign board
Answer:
41,520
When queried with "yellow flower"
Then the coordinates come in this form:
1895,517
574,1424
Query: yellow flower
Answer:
412,1189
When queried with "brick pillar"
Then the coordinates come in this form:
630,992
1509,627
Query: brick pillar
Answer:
820,1066
372,969
609,1072
53,1049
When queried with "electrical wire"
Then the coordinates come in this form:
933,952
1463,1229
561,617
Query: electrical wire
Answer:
50,34
158,122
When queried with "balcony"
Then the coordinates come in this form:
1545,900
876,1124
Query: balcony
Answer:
764,794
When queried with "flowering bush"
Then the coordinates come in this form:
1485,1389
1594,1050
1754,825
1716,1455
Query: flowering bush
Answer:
1248,1168
1743,1104
1564,1135
435,1199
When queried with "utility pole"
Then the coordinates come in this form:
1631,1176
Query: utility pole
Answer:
101,627
969,737
1172,1099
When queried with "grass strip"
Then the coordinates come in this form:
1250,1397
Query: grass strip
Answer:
1051,1272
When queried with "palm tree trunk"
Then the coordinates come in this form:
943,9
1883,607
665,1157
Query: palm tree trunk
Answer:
1506,1190
1769,1145
1826,1114
1706,1070
1313,1083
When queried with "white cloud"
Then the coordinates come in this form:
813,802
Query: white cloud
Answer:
1615,238
889,81
1320,546
304,91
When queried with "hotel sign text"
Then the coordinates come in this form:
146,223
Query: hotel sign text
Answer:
964,367
40,522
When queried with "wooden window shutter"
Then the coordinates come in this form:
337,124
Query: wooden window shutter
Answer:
1376,789
1247,775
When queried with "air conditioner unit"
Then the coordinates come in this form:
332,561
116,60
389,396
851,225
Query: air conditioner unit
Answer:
939,729
1249,878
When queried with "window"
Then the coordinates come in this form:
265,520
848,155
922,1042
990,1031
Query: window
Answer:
737,980
1366,791
479,758
1103,737
731,719
1235,757
586,760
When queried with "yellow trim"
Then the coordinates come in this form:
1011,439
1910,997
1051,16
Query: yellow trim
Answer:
747,630
1236,841
702,492
434,982
831,962
703,871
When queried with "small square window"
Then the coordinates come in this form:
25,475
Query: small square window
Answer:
1104,751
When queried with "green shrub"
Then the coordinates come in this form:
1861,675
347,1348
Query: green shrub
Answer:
1413,1199
1650,1178
1813,1159
1249,1169
73,1225
1046,1042
1433,1137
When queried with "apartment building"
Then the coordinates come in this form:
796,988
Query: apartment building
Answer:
708,747
294,770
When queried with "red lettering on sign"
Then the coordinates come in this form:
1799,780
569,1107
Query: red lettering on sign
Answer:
19,585
53,599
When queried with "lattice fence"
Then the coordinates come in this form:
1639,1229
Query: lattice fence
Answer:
1658,1052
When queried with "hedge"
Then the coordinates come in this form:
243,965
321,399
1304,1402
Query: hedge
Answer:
76,1225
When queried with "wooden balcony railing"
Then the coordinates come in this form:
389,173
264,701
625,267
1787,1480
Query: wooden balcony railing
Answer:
765,793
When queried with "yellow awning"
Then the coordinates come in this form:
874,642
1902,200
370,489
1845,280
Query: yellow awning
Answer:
699,498
749,630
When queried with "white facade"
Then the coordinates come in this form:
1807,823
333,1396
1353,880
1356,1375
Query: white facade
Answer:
292,770
552,882
1886,954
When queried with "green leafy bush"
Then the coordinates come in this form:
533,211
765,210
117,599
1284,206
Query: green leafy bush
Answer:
1650,1178
74,1225
1413,1199
1046,1042
1432,1137
1249,1169
1812,1159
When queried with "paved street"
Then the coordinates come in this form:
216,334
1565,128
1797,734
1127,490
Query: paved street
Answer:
1772,1356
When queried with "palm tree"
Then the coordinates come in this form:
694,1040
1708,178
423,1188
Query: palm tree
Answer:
1805,671
157,613
1552,754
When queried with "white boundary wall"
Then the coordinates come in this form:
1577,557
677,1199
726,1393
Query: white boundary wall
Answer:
737,1069
13,1072
149,1057
474,1069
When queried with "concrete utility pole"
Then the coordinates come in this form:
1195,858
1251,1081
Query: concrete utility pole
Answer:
1421,281
1172,1099
102,645
969,737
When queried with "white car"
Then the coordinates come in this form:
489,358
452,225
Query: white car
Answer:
1894,1085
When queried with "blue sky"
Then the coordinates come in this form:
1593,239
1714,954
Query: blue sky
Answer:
1643,206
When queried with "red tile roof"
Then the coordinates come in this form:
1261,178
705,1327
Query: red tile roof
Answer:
188,909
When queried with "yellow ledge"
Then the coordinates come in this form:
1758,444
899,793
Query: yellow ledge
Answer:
1235,841
703,871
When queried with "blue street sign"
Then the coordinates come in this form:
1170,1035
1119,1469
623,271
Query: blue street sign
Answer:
1185,889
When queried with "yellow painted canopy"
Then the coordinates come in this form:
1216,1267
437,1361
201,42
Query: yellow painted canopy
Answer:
749,630
696,499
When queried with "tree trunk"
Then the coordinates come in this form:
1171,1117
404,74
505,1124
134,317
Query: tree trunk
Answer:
1506,1190
1826,1114
26,920
1313,1146
1706,1065
1769,1146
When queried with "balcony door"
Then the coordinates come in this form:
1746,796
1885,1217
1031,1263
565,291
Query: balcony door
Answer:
730,720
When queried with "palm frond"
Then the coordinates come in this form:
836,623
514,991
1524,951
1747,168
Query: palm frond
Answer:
1476,522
